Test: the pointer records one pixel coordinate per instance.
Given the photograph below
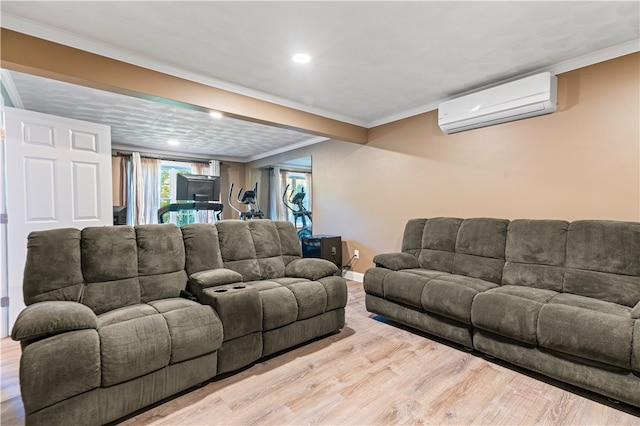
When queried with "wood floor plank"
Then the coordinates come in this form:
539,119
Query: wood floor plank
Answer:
371,373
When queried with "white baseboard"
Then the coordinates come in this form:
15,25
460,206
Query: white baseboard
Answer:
354,276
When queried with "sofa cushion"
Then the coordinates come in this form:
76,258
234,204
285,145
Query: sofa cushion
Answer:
53,317
194,329
133,348
588,328
161,261
510,311
452,295
162,286
110,268
109,253
53,270
412,238
482,236
621,289
125,314
108,295
604,246
160,249
406,287
202,248
438,243
311,298
310,268
212,278
373,282
480,248
540,242
336,292
436,260
396,261
279,307
441,233
237,249
289,242
604,260
529,275
51,372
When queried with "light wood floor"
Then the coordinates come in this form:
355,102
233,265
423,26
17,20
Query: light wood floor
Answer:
371,373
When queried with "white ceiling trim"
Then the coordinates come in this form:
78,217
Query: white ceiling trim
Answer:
35,29
171,155
180,156
623,49
311,141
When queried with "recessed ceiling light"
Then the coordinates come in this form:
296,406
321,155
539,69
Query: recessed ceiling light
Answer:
173,142
301,58
215,114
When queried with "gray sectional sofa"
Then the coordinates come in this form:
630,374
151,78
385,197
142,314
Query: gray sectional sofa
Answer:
106,332
558,298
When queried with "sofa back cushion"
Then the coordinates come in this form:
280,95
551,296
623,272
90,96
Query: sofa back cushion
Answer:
125,266
438,243
472,247
110,267
161,261
535,254
53,269
480,248
202,247
603,260
258,249
592,258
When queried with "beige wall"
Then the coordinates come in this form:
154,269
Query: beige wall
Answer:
581,162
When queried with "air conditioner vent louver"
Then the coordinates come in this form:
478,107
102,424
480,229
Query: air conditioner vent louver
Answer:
528,97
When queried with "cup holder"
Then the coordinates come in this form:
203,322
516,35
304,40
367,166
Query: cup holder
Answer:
220,290
238,287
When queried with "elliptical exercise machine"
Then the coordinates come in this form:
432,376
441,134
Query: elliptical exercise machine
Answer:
250,199
297,200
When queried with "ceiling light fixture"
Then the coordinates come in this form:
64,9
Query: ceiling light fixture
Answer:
215,114
301,58
173,142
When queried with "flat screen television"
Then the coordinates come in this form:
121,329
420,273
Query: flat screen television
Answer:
201,188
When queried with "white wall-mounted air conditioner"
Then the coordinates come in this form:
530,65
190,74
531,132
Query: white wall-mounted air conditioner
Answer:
528,97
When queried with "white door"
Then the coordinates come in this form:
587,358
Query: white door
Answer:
58,175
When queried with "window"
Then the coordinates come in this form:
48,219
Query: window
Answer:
168,172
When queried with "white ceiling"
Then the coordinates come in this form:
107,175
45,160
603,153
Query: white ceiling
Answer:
373,62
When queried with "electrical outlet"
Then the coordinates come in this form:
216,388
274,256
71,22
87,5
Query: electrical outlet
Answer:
356,254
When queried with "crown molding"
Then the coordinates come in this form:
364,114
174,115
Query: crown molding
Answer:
307,142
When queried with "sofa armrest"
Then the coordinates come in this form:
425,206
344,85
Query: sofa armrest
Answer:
213,278
44,319
635,312
310,268
396,261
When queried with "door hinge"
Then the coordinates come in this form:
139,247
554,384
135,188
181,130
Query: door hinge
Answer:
4,302
4,218
2,134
